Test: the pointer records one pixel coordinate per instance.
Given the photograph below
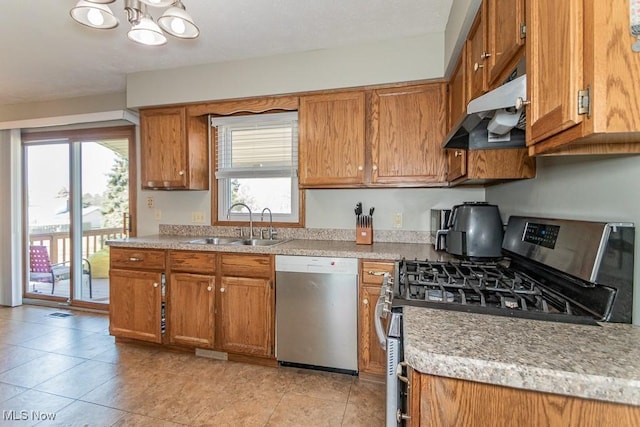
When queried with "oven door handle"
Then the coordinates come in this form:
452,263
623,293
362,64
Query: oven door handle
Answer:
379,313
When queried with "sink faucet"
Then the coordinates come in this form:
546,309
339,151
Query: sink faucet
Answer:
272,233
250,216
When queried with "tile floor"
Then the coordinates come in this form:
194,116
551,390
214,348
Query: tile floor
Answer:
71,368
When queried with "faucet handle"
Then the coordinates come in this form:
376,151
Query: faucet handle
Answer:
273,233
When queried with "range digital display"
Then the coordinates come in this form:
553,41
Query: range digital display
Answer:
541,234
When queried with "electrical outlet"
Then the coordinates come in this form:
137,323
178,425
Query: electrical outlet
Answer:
157,214
397,220
197,217
150,202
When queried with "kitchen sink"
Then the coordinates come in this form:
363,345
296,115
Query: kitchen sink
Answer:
215,241
258,242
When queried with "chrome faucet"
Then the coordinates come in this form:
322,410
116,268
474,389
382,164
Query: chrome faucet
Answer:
272,233
250,217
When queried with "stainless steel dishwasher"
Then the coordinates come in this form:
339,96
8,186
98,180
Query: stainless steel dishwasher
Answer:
316,312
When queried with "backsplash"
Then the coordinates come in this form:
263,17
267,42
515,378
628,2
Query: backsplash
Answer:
394,236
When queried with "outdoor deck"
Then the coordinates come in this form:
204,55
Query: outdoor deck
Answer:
99,287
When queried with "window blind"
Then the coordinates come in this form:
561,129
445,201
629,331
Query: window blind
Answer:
255,146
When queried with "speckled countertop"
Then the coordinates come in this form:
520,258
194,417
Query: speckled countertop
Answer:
594,362
330,248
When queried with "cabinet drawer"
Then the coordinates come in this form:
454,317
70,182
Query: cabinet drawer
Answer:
247,265
371,268
192,262
137,258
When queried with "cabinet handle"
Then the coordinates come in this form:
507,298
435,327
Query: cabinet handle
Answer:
155,285
134,259
458,153
374,167
485,55
376,273
181,173
209,288
365,301
360,168
221,289
520,102
399,372
477,66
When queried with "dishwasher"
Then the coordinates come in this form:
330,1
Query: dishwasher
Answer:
316,313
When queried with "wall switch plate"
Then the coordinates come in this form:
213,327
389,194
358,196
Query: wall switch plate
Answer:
150,202
397,220
157,214
197,217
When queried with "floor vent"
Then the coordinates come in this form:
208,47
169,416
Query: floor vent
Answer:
58,314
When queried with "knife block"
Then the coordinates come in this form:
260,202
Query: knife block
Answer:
364,234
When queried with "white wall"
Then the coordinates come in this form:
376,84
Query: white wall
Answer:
583,187
399,60
461,17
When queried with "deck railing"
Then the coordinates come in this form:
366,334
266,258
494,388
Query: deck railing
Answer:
59,243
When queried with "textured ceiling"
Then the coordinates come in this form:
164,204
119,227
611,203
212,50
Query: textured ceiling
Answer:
46,55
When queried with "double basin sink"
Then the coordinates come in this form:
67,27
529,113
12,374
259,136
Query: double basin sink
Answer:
236,241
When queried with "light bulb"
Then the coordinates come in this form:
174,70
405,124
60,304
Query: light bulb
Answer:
177,25
95,17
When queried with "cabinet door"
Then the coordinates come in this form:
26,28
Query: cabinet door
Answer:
163,148
191,309
457,95
457,164
332,139
246,316
135,307
554,66
476,57
372,358
505,34
409,125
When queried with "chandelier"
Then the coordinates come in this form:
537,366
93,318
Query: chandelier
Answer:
175,20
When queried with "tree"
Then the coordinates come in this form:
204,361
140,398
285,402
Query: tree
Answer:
116,196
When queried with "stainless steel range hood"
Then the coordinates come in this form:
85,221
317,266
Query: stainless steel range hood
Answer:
495,119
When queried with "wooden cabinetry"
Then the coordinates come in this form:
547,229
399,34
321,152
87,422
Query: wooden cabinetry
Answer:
476,56
246,299
505,37
439,401
584,96
407,128
332,139
135,294
191,299
174,149
371,356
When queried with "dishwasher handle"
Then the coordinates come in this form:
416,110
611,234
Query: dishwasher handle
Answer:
379,314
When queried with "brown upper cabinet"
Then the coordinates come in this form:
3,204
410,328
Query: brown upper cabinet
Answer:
174,149
476,56
582,78
368,138
505,37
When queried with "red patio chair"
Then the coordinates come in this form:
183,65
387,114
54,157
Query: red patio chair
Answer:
41,270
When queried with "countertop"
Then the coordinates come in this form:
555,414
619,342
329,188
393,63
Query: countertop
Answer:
593,362
330,248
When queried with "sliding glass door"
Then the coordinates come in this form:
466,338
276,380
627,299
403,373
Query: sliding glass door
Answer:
78,195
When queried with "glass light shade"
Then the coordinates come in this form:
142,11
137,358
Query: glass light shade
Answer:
101,1
158,3
147,32
94,15
177,22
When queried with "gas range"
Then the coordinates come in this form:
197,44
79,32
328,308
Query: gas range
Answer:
557,270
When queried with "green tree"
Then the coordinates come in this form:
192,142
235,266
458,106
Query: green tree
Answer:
116,196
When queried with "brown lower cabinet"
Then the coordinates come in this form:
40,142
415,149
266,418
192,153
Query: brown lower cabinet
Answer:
213,300
439,401
371,359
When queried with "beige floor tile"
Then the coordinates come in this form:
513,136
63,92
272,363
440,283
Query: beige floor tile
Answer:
135,420
79,380
368,395
248,408
127,354
88,347
17,332
7,391
299,410
39,370
12,356
323,385
356,416
56,339
83,414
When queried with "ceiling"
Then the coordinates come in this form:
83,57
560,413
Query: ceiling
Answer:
56,58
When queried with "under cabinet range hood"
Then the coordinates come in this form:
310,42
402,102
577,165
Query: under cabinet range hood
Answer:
495,119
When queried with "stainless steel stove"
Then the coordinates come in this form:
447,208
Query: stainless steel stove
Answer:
560,270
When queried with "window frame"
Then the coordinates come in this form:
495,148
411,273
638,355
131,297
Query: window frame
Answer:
220,195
